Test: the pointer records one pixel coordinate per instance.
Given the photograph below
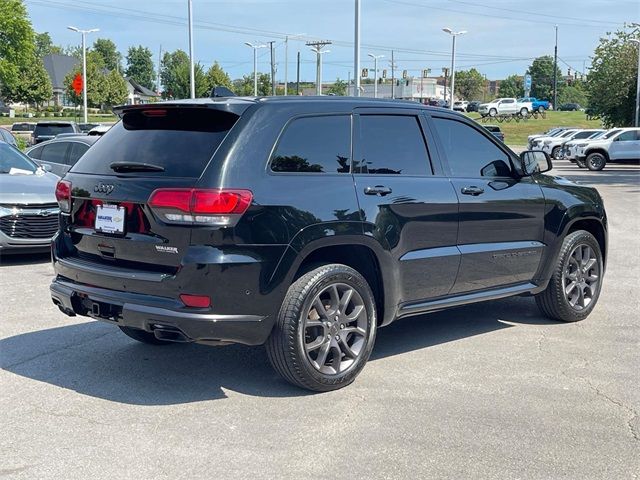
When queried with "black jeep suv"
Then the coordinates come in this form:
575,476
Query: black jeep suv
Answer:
307,223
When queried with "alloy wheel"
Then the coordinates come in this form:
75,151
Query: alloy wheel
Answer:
581,278
335,329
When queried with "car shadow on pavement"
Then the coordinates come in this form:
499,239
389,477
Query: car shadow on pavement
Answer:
96,359
24,259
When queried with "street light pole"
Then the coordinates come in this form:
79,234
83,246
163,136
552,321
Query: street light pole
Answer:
192,78
453,62
317,47
356,50
375,73
555,72
255,47
636,117
84,65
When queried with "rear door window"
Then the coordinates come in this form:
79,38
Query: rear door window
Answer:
391,145
36,152
319,144
77,150
180,140
53,129
55,152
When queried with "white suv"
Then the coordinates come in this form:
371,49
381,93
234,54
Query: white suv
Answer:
624,145
571,148
554,145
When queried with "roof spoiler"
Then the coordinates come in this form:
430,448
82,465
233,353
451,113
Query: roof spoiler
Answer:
217,92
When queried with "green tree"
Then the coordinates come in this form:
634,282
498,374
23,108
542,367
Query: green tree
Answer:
244,85
469,84
339,88
96,81
541,71
109,53
217,77
115,89
17,46
511,87
573,93
140,66
34,84
611,83
45,46
175,76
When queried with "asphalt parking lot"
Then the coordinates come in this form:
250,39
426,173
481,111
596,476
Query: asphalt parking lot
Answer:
486,391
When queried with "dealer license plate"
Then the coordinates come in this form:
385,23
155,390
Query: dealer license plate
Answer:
110,219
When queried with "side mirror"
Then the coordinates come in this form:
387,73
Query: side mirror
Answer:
535,161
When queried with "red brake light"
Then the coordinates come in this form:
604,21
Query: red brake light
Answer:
197,301
204,207
63,195
155,112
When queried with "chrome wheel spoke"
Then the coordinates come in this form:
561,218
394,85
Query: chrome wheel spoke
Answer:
355,313
589,265
570,287
320,308
315,344
346,298
581,277
344,346
323,354
356,330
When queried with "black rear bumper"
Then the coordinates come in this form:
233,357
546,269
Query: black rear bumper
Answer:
150,313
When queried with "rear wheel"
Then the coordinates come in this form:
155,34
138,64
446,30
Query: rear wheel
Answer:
325,329
574,288
541,109
555,152
524,111
493,112
142,336
596,161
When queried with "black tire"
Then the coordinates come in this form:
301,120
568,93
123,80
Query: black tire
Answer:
493,112
524,111
555,151
596,161
286,344
553,301
142,336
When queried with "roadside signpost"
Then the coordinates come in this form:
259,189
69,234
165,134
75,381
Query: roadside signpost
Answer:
527,85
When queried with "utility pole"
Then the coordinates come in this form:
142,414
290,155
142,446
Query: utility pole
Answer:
555,72
192,78
317,47
393,77
286,60
159,64
445,70
273,68
356,49
298,76
452,90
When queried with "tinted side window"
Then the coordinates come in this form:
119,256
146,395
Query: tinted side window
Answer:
392,144
627,136
77,150
469,153
580,135
314,145
55,152
36,153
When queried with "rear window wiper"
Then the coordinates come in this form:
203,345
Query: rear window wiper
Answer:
135,167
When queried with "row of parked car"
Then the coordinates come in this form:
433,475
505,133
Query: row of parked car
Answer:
33,133
592,148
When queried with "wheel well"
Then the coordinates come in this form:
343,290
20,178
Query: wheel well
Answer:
358,257
594,228
598,150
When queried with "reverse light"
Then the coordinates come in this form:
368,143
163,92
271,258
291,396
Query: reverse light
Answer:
196,301
193,206
63,195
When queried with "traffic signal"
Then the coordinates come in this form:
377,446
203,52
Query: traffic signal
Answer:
365,72
384,73
404,74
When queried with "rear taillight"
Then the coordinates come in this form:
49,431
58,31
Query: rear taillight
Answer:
200,207
196,301
63,195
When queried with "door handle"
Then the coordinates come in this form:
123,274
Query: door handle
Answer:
472,190
379,190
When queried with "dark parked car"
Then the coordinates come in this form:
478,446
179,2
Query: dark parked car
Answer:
569,107
48,130
62,152
495,131
233,220
473,106
438,103
87,127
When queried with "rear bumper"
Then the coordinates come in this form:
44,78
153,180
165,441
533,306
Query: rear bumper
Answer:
149,313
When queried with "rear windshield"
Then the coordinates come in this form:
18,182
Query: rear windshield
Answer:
53,129
180,140
22,127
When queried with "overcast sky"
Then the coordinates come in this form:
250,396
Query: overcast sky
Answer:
503,35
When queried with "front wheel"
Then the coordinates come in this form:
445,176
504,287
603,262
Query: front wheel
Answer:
493,112
555,153
541,109
325,329
524,112
596,161
575,286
